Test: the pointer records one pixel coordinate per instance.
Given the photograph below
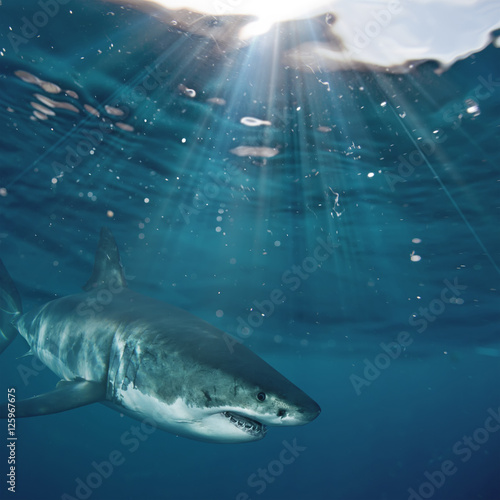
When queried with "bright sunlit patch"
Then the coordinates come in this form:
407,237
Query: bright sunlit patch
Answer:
266,13
415,258
256,28
256,151
472,107
324,129
250,121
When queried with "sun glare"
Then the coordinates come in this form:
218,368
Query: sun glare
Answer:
267,13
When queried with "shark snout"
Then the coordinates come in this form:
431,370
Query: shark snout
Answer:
311,412
298,415
308,413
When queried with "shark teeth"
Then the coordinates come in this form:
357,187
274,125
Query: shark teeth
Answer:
245,424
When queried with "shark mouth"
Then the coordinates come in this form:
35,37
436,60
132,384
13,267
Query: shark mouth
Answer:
245,424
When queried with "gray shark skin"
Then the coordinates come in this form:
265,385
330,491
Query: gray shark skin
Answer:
149,360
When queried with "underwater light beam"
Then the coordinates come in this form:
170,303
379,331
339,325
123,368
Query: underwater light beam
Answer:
446,191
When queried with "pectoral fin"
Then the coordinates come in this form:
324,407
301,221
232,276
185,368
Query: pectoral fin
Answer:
66,396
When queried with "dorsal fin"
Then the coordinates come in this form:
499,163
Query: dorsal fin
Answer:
108,270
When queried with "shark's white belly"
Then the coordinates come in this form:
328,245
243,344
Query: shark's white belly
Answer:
180,419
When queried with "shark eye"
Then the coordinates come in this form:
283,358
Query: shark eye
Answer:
261,396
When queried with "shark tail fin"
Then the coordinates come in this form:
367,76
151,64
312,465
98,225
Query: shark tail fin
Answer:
107,267
10,308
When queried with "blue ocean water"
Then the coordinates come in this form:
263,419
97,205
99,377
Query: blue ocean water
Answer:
370,200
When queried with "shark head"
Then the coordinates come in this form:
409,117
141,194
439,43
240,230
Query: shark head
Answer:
202,384
239,400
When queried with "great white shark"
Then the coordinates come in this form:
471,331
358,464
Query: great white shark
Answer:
149,360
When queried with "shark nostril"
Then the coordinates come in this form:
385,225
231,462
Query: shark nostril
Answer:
281,412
